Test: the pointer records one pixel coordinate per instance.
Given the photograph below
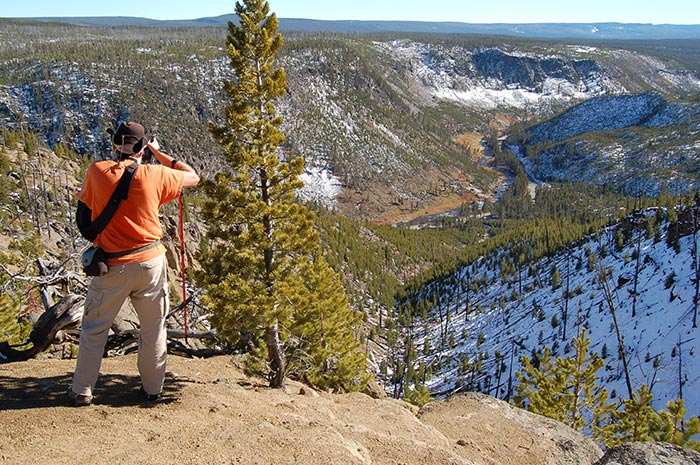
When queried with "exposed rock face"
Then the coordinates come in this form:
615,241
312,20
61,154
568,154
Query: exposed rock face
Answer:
649,453
375,391
531,72
490,431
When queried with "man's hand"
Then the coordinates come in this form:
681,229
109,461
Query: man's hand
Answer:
153,144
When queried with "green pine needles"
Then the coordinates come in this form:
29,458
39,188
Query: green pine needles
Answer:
567,390
267,282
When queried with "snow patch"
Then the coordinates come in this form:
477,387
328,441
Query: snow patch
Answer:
320,185
488,98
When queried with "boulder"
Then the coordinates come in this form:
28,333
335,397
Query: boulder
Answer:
649,453
488,430
375,390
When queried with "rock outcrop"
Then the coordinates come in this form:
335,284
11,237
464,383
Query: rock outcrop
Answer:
486,430
649,453
212,413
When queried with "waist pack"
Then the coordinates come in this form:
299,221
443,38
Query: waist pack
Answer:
94,261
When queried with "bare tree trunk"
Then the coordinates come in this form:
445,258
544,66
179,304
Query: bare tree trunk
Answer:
509,392
26,192
442,331
65,314
620,343
696,265
636,270
43,288
566,293
45,198
276,356
468,290
35,202
680,368
498,375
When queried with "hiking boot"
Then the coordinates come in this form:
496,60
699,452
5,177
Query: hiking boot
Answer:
79,400
150,397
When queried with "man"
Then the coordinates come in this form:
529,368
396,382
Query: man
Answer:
140,274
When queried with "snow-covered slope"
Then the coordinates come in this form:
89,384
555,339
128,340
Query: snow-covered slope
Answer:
639,144
490,78
536,78
511,318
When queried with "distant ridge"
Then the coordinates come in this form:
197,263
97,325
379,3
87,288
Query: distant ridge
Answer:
619,31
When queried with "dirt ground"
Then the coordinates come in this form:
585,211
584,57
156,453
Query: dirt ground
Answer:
213,414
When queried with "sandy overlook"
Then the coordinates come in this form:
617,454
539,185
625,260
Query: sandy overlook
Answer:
213,414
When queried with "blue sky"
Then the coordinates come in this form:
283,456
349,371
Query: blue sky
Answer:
467,11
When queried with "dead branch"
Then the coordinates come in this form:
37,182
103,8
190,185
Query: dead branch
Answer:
60,275
66,314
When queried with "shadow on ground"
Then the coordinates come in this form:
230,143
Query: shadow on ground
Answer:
18,393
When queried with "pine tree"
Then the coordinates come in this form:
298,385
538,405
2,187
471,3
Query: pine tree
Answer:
565,389
419,395
585,395
258,258
540,386
633,422
556,277
670,426
327,353
12,330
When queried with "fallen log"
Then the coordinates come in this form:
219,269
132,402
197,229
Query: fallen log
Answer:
66,314
180,334
127,341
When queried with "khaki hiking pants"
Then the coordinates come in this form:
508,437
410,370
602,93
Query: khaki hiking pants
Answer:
146,284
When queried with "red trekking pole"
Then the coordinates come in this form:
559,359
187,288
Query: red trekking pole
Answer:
182,264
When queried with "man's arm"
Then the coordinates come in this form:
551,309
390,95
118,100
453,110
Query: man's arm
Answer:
191,178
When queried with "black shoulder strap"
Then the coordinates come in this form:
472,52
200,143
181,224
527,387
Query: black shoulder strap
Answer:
120,193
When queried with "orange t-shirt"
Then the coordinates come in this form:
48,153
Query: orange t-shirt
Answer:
135,223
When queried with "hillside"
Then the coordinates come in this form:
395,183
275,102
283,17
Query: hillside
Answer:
482,319
641,144
381,120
